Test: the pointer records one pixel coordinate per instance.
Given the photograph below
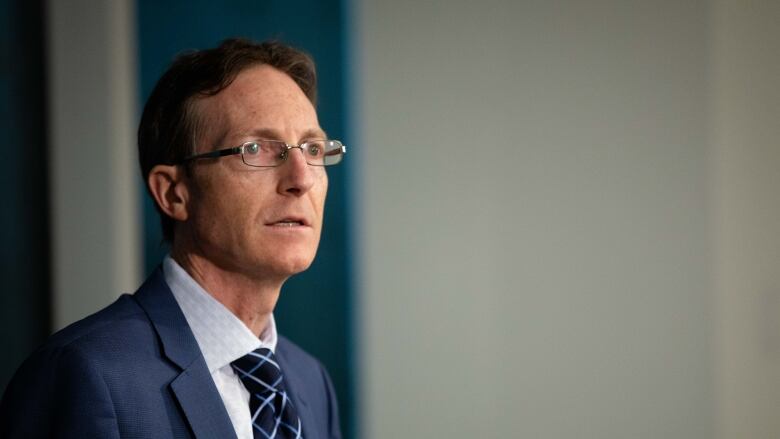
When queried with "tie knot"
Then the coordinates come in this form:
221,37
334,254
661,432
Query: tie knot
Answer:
259,371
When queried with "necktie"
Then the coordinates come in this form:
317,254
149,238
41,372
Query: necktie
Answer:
273,415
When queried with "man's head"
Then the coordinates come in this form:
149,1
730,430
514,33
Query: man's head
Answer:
170,124
267,220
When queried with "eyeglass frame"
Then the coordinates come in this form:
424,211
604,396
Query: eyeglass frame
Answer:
233,150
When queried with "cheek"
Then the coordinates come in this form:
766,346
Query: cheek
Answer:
319,193
322,187
211,220
220,210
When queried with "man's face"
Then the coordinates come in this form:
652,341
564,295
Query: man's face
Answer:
260,222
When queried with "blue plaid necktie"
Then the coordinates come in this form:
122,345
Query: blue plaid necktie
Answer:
273,415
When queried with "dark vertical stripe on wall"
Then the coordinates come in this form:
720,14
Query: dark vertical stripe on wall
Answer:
24,269
314,309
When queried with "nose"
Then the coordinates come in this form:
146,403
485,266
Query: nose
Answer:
297,176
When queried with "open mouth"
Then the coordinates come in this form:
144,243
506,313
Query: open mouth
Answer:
288,223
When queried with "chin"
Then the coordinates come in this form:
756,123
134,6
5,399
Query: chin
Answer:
292,265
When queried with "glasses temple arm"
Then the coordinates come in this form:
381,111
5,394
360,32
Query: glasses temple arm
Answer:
214,154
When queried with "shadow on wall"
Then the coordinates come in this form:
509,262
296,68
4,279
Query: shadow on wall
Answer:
24,225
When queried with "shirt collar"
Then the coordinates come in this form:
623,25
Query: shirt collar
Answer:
221,336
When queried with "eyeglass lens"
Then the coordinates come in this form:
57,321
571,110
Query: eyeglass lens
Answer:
274,153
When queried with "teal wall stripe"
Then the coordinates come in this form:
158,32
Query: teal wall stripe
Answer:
351,222
315,307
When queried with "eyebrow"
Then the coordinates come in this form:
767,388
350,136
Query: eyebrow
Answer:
272,134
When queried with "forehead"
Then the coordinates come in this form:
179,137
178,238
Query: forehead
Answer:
260,99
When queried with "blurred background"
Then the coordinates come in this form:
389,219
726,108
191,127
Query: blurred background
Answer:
556,219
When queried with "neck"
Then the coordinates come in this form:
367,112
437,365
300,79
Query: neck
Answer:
250,299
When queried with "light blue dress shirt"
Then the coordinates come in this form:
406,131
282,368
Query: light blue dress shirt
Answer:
222,338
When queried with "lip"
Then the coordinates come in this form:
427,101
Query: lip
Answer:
302,221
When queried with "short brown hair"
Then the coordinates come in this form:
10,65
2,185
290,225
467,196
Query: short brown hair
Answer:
169,125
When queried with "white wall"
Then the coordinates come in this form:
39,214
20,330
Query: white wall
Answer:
93,164
746,141
540,219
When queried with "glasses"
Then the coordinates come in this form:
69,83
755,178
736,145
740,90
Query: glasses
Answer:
270,153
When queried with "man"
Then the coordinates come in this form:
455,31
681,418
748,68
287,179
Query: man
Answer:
234,157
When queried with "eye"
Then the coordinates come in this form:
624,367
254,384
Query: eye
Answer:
251,148
315,149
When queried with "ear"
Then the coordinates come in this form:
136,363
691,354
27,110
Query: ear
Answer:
168,186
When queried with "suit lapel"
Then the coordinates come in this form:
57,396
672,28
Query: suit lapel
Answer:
194,388
202,404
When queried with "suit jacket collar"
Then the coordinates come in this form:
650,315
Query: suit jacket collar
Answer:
193,388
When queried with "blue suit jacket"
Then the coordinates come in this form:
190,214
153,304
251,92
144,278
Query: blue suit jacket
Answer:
134,370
